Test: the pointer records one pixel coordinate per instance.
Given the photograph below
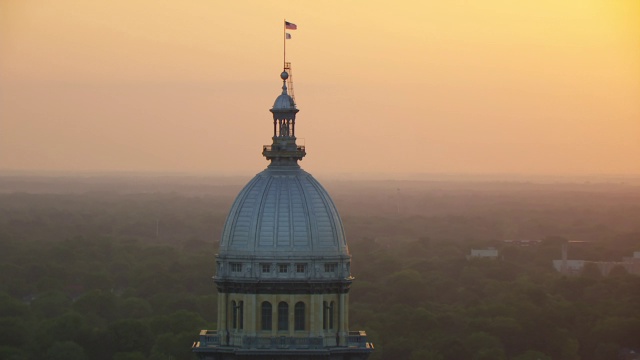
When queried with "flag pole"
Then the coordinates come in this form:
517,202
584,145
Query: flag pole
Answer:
284,43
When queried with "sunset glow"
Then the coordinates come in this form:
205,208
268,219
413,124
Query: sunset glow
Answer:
508,87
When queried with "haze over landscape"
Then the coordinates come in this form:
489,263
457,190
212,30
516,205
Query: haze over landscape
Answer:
484,158
490,87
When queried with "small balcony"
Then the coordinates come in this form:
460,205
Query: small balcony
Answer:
358,339
208,338
284,151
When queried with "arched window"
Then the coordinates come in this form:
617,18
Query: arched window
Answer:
298,316
241,315
234,318
266,315
283,316
331,307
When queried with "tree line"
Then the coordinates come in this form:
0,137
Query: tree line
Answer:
128,276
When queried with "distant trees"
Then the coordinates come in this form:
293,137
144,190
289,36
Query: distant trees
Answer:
66,350
84,277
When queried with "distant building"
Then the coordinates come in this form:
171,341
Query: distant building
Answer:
575,267
632,264
522,242
629,354
490,253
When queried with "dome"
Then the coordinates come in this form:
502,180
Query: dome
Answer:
283,211
284,102
283,218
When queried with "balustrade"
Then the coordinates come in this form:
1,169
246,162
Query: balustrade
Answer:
210,338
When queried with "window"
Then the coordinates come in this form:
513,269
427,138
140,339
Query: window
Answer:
236,267
327,315
283,316
238,314
301,268
283,268
298,316
266,315
265,268
331,267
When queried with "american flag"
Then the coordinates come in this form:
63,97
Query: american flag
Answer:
290,26
287,36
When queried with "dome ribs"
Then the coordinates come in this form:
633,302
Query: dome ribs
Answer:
301,227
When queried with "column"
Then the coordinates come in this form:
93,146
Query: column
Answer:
291,317
312,315
319,315
346,314
225,313
274,315
341,322
252,310
220,307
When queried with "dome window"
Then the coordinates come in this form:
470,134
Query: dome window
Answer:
330,267
299,316
240,314
236,267
266,315
327,315
301,268
266,268
283,316
283,268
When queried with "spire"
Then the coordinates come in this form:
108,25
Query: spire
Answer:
284,151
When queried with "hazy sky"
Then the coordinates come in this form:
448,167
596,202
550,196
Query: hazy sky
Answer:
471,87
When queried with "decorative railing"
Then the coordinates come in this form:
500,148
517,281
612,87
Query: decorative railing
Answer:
211,338
357,338
267,148
282,342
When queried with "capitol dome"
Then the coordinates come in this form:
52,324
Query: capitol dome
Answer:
283,270
283,219
283,212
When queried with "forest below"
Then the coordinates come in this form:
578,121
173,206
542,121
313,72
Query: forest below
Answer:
120,267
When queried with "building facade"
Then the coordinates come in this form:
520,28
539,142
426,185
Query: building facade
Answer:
490,253
283,268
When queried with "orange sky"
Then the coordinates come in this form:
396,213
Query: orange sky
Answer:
460,86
